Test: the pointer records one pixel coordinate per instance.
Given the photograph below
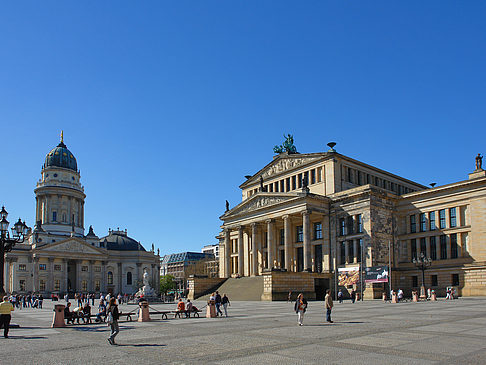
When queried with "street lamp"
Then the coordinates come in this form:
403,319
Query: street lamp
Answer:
422,263
7,242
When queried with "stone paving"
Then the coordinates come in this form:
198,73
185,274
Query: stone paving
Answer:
370,332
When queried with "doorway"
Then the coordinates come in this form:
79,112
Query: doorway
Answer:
320,287
71,276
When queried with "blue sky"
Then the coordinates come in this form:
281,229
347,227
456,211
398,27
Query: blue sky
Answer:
167,105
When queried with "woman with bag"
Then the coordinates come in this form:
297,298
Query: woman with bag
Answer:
112,320
300,307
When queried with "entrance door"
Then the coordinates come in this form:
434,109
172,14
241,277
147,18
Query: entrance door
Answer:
318,258
71,276
300,259
320,287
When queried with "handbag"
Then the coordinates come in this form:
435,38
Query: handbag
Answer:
109,319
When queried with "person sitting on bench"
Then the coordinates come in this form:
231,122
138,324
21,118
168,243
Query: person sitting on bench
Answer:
181,307
87,312
188,308
68,315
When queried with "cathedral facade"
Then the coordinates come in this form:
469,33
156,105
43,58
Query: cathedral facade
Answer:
304,218
57,256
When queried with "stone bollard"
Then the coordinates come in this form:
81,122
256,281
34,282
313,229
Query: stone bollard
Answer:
144,312
211,309
384,297
433,296
394,298
58,318
414,296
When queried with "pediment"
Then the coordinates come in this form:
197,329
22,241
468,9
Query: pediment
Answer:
282,164
257,202
72,245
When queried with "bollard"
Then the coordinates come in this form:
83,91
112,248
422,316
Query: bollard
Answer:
144,312
414,296
58,318
433,296
384,297
394,298
211,309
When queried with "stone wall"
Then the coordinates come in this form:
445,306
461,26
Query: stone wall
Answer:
276,285
200,286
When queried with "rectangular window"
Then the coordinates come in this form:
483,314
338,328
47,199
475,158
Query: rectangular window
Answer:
22,285
317,231
413,227
452,217
282,236
300,233
57,267
433,279
42,267
432,221
97,268
313,176
414,281
350,225
342,260
294,182
443,247
455,280
54,216
358,254
318,258
57,285
350,251
433,248
423,222
342,227
84,285
319,174
42,285
413,244
350,175
97,285
22,267
442,219
453,238
84,268
423,246
359,220
287,183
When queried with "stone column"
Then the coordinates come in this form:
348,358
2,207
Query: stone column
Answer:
448,245
91,276
64,270
227,253
355,251
103,277
307,241
241,262
255,248
270,243
35,274
287,242
50,275
120,278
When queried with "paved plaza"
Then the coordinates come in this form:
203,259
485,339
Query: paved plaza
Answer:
372,332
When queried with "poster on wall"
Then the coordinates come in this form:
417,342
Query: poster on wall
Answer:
376,274
348,275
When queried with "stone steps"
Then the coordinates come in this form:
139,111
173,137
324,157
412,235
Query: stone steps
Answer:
245,288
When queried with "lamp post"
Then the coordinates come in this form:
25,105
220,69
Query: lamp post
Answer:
7,242
422,262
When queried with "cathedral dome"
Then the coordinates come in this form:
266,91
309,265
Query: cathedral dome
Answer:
119,241
61,157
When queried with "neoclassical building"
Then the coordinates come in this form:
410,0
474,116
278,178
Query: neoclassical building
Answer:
305,216
57,257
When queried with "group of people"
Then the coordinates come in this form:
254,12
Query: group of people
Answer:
300,307
352,295
220,301
26,301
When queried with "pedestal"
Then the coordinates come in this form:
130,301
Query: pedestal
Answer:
422,293
144,312
414,296
394,298
58,318
383,297
211,310
433,297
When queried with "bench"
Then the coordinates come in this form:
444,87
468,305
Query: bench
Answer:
177,314
77,316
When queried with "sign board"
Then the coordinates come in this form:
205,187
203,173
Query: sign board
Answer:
376,274
348,275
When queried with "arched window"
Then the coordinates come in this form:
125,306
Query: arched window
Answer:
110,278
129,278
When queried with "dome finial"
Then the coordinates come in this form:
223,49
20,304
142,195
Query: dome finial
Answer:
62,136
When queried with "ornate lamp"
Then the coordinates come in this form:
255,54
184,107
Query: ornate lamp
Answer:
423,263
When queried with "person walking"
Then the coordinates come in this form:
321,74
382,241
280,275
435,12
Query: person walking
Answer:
6,308
329,305
289,298
217,301
300,307
340,296
115,328
353,296
225,302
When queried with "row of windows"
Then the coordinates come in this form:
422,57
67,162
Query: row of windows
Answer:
313,176
435,281
361,178
57,285
351,225
441,245
57,267
427,221
352,255
64,218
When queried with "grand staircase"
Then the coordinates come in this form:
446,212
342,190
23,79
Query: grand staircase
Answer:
245,288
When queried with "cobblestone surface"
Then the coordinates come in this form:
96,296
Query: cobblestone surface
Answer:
371,332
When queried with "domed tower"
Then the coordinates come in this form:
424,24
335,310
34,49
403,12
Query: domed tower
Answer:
59,194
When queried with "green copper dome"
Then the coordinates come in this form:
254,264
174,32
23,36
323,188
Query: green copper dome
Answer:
61,157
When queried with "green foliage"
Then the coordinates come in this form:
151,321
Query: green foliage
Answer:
167,283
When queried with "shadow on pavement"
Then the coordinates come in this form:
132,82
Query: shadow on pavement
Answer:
28,337
142,345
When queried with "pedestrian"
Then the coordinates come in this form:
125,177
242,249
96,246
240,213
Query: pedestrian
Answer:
217,301
353,296
189,307
329,305
300,307
41,300
66,297
340,296
225,301
6,308
113,322
289,298
399,295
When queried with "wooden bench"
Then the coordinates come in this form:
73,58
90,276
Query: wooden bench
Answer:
77,316
177,314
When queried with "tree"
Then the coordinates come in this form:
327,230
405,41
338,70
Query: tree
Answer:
167,283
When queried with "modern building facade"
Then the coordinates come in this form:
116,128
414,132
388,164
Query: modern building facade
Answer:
57,257
314,213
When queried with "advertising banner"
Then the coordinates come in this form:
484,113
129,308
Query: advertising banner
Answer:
348,275
376,274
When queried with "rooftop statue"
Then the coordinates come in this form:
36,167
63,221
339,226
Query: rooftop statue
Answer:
479,161
287,146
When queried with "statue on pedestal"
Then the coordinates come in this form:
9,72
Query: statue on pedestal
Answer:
479,162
